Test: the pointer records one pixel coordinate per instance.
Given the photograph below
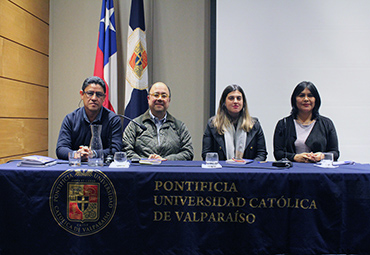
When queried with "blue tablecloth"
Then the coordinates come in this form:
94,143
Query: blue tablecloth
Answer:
182,208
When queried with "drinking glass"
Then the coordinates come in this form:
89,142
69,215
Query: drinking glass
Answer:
120,158
212,158
327,160
74,158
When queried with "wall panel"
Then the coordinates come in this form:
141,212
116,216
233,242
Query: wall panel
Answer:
24,68
20,63
23,100
21,136
39,8
20,26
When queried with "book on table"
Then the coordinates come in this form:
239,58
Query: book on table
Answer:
37,161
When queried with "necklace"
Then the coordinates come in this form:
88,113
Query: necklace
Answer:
307,122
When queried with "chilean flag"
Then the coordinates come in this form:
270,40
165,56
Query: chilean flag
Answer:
137,63
106,54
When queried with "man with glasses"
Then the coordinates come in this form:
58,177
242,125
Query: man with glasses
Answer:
75,133
165,138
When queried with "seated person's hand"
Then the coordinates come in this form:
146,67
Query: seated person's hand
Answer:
308,157
155,156
303,157
318,156
84,151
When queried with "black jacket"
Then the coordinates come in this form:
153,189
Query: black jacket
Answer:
323,138
255,147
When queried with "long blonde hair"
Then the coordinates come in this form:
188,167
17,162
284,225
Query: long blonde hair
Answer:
222,119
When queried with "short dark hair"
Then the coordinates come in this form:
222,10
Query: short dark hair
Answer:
150,87
298,89
93,80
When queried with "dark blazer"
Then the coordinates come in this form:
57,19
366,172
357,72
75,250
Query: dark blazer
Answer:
323,138
255,147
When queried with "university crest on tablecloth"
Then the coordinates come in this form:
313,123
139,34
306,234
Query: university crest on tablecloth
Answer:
83,201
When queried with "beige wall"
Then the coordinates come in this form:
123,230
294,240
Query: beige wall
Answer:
177,38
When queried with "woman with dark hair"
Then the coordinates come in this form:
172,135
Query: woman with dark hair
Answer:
233,133
305,134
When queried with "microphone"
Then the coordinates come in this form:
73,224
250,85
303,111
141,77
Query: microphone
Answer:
137,124
109,158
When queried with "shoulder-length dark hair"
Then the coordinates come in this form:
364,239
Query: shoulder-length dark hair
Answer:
222,119
298,89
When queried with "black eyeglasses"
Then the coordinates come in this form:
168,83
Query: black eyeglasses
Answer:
91,94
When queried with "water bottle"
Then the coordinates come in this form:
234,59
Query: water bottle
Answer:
96,156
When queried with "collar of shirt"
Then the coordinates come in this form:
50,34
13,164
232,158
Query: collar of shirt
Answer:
156,120
97,119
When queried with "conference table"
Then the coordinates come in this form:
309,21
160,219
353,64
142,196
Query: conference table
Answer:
182,208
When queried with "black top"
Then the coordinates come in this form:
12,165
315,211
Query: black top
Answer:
323,138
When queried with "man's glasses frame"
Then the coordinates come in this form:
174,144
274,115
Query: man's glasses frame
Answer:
158,95
90,94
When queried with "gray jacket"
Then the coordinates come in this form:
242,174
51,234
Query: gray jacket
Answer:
175,139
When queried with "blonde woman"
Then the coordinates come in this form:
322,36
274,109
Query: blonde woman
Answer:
233,133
